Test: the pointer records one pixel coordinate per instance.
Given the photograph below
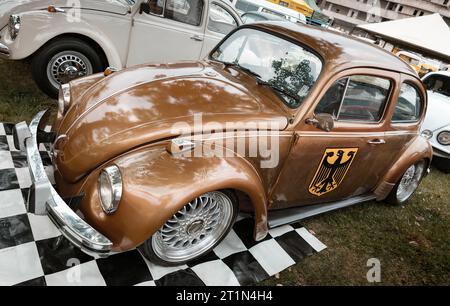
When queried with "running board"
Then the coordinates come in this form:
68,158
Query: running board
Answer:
292,215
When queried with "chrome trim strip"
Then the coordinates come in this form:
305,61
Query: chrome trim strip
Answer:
70,224
4,50
355,134
292,215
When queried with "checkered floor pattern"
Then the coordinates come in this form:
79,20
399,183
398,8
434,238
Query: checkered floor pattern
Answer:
33,252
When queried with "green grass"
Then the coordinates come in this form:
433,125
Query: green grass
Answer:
412,242
20,98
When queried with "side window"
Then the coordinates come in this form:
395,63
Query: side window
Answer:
245,6
332,99
365,98
220,20
156,7
356,98
185,11
408,106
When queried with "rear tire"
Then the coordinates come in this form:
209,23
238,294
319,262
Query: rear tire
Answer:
443,164
407,184
63,60
194,231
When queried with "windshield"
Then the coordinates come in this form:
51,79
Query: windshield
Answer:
287,67
438,83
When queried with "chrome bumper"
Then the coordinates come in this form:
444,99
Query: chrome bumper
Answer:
43,198
4,50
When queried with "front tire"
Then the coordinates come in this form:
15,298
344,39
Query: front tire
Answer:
194,230
407,184
62,61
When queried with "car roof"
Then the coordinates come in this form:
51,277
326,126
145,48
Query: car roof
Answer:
337,49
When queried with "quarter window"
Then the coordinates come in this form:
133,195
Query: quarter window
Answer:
408,105
185,11
356,98
220,20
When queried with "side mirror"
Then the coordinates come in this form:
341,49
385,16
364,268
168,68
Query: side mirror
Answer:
322,121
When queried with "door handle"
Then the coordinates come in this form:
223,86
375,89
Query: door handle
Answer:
196,38
376,141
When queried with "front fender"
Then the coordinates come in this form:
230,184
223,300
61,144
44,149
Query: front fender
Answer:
419,149
156,185
39,27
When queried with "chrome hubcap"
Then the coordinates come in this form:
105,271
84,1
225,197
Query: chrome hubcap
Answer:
410,181
67,66
194,229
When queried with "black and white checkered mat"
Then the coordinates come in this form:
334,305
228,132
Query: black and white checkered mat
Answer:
33,252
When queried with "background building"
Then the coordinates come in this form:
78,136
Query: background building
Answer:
348,14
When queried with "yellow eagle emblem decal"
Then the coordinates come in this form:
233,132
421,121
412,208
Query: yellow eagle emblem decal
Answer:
332,169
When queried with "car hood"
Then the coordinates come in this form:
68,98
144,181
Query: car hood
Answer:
8,7
149,103
437,112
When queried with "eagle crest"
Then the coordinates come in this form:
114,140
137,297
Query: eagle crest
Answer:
332,169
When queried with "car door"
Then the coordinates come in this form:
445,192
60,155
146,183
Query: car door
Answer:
221,21
169,30
350,159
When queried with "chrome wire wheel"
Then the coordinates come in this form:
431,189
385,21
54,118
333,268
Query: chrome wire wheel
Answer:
410,181
66,66
195,229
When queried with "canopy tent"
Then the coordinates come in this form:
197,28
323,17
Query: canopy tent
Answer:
429,34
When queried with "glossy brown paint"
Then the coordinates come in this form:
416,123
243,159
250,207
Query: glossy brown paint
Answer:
108,120
126,118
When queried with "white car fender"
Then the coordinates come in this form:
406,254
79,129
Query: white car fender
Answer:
39,27
437,119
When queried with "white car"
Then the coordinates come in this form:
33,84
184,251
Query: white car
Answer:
436,126
66,42
263,6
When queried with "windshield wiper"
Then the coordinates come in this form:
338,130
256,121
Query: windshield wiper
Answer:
261,81
237,66
280,90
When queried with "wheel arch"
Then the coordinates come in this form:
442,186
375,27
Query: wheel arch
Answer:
52,26
150,198
91,42
419,149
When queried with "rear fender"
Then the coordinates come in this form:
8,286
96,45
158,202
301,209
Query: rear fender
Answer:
419,149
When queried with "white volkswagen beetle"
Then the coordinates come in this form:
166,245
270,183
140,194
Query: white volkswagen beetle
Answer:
67,39
436,126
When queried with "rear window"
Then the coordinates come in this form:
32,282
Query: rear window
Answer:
438,84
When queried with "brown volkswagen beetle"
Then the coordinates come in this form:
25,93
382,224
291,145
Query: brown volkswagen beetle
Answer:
342,118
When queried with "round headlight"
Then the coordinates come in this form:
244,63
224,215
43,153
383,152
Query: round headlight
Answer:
110,189
14,26
427,134
444,138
